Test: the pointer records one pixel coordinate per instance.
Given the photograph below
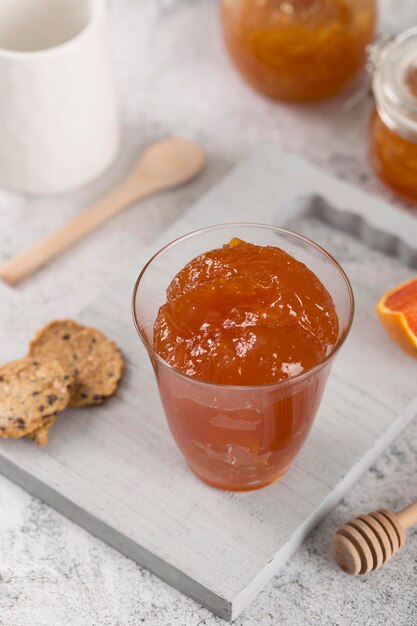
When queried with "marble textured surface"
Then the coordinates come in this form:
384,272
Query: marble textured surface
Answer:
173,77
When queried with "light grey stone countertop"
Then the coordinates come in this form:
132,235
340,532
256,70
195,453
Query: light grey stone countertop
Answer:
174,78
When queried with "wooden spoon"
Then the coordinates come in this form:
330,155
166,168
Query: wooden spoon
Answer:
368,541
163,165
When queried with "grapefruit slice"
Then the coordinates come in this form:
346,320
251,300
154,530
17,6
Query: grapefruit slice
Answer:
397,310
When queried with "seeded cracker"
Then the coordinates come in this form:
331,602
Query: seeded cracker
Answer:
94,360
32,391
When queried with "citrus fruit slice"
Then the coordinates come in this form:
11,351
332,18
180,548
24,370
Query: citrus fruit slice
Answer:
397,310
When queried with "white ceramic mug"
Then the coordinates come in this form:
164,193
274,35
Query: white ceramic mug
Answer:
58,112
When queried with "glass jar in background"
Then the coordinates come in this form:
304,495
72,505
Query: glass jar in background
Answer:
393,129
298,50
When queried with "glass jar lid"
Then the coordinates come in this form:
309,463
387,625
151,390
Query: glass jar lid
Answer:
395,84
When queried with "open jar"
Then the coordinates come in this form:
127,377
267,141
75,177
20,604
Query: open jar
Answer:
393,129
298,50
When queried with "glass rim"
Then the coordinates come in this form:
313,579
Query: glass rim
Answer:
279,383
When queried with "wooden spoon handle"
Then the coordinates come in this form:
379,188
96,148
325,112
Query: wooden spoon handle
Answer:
25,263
408,516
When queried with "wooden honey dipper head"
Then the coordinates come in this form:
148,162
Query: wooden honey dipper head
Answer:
368,541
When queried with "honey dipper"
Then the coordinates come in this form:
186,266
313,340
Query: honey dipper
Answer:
366,542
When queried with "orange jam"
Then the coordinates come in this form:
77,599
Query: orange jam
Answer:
394,158
393,128
245,315
240,317
298,50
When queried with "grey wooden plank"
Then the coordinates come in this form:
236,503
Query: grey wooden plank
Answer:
115,469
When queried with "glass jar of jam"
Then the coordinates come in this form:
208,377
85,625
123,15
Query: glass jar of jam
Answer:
298,50
393,129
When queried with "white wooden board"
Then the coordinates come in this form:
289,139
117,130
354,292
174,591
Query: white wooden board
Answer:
115,469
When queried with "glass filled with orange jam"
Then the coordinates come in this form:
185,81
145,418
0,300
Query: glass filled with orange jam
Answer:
393,127
298,50
241,322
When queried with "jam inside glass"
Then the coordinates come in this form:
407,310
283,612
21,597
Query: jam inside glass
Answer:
393,127
245,315
239,421
394,157
298,50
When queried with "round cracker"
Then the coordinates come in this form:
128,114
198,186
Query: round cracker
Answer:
31,392
95,361
54,333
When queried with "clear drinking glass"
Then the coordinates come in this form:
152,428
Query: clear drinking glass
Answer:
238,437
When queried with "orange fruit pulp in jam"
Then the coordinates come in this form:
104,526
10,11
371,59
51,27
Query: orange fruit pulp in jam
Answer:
243,315
298,50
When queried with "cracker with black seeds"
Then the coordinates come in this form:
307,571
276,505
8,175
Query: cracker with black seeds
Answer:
40,435
95,361
32,391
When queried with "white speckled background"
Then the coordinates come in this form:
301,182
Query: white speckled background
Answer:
173,77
